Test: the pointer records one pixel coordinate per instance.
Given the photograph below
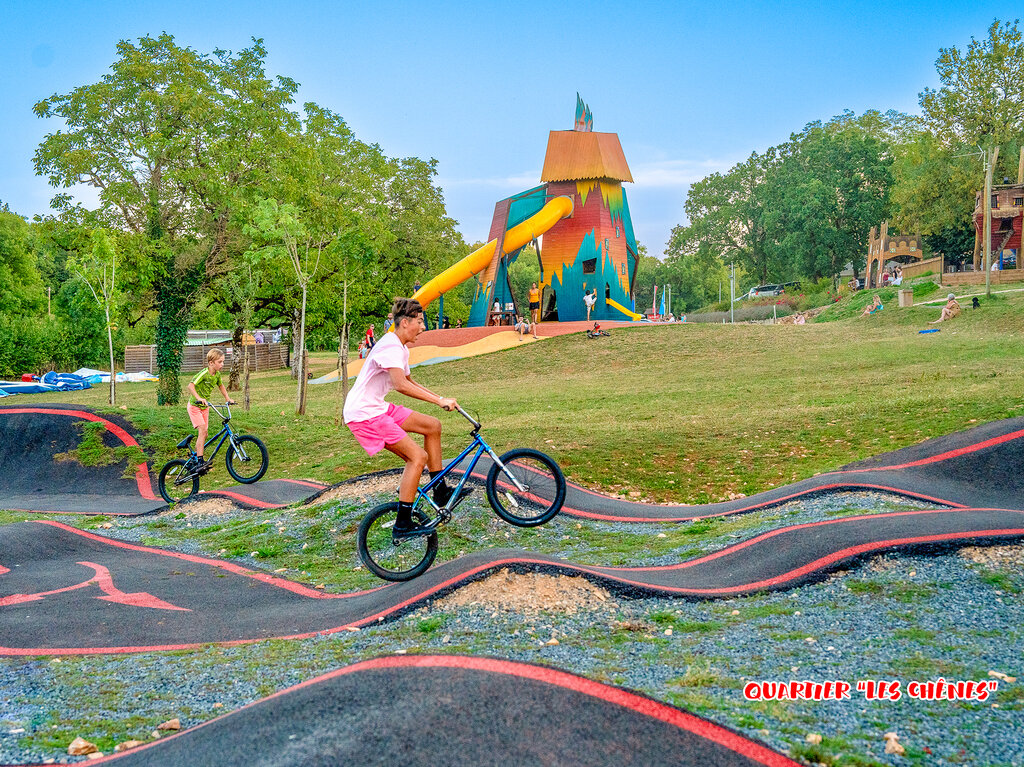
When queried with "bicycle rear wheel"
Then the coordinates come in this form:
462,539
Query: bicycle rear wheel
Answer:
393,560
543,490
177,483
249,462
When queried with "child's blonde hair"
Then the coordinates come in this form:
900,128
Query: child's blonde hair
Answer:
214,354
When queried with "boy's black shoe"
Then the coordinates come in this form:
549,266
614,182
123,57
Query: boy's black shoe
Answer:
401,531
204,466
404,526
442,493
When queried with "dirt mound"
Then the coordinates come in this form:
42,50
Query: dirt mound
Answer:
530,593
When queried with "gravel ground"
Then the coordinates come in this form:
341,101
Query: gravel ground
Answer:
894,617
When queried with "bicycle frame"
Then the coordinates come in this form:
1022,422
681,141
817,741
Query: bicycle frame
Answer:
481,447
225,433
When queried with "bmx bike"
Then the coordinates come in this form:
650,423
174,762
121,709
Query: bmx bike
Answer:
247,460
525,488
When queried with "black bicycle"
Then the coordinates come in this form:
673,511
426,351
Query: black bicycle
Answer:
525,488
247,460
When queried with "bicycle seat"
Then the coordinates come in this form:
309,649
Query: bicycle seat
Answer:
184,444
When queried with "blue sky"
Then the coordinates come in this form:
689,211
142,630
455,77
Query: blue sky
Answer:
691,88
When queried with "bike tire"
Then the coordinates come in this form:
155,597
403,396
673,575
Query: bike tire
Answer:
544,483
401,561
171,492
246,441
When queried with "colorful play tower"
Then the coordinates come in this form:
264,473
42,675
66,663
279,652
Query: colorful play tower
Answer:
578,222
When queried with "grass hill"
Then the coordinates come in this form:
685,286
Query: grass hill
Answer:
684,413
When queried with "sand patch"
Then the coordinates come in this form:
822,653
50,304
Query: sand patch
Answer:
207,507
360,490
530,593
1000,557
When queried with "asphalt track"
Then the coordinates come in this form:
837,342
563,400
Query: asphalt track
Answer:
424,711
65,591
31,480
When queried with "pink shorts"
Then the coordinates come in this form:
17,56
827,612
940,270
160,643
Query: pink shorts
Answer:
381,430
199,416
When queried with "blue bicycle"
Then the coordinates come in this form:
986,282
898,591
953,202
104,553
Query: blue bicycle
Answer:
525,487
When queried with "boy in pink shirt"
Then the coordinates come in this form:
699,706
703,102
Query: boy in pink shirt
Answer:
377,424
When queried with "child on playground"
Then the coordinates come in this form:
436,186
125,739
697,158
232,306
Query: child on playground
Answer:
200,388
522,326
377,424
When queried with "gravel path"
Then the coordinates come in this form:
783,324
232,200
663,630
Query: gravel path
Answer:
957,616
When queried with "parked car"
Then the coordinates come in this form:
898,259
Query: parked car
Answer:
766,291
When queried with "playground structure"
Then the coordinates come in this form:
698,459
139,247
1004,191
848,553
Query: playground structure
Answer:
578,222
884,248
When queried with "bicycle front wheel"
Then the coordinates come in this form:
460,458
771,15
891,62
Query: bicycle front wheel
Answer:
249,462
543,486
393,560
177,483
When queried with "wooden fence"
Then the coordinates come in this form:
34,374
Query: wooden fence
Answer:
261,357
910,271
978,278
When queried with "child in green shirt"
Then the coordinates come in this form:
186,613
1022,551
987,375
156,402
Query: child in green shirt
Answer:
200,389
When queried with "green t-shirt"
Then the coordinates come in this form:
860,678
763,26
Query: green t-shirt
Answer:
204,384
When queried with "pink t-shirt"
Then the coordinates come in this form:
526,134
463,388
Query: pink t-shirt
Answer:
366,400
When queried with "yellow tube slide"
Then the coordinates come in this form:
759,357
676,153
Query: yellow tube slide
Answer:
623,309
519,235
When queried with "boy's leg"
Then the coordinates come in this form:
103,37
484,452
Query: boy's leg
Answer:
415,458
430,428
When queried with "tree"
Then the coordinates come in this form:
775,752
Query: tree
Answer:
289,238
830,189
981,100
728,215
169,138
98,271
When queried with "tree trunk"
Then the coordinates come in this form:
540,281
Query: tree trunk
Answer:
237,357
110,346
245,380
300,400
343,355
294,340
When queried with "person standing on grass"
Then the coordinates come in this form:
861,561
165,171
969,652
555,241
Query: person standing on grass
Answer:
200,388
377,424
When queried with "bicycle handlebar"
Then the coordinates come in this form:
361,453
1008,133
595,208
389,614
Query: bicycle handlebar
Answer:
227,407
468,417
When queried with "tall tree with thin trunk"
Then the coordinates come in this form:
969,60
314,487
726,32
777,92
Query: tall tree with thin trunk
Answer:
98,271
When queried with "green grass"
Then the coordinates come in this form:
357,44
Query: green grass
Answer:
686,413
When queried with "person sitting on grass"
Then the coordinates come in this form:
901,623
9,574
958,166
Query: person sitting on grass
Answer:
949,311
874,306
200,388
377,424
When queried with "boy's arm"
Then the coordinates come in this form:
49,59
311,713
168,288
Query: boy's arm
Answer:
225,393
405,385
195,394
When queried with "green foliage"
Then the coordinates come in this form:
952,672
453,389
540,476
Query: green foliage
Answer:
982,91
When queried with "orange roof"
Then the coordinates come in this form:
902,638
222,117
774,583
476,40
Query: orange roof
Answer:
576,155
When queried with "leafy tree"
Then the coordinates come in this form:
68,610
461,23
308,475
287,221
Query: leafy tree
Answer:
981,100
695,271
21,288
168,138
728,216
830,189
